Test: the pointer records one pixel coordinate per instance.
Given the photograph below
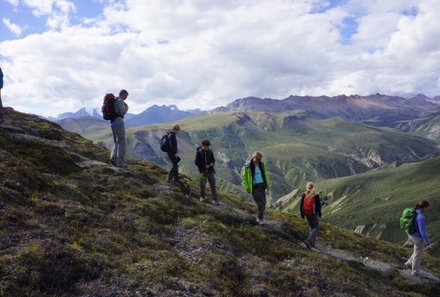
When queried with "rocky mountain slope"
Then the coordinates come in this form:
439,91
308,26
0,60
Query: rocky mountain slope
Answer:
379,110
71,225
428,127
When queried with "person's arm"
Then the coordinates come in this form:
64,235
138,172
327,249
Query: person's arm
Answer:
121,107
247,179
422,228
173,139
1,79
318,205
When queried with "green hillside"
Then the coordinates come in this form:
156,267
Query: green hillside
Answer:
86,126
71,225
373,201
296,147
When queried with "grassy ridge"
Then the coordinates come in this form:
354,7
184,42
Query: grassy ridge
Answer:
72,225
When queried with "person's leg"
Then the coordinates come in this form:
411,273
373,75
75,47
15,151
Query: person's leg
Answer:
118,151
203,186
409,262
114,151
260,199
211,180
417,255
314,228
174,172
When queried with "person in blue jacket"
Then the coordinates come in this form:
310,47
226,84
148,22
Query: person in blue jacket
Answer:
1,87
419,238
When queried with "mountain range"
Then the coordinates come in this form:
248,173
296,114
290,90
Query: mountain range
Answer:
153,114
378,109
73,225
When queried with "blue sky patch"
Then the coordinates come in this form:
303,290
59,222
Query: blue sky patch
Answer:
327,5
410,11
23,17
349,27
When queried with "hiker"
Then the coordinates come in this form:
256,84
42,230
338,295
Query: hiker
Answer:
172,154
1,87
256,182
419,238
118,128
205,163
310,208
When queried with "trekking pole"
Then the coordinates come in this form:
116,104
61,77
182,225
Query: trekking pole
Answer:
430,246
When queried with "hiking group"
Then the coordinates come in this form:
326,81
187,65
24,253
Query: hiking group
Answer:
255,180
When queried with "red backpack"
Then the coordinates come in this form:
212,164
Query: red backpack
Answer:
309,205
108,107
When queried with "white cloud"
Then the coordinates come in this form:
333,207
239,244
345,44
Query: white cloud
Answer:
207,53
14,28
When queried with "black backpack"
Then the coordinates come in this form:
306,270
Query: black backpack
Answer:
108,107
165,145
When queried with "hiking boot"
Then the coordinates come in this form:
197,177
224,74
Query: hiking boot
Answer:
306,244
112,162
261,221
415,273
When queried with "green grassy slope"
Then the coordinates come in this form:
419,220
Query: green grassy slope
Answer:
86,126
71,225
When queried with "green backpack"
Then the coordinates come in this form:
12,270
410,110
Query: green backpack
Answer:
407,220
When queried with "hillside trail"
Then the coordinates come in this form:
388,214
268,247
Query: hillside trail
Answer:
284,231
277,227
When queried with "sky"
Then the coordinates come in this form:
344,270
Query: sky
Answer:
61,55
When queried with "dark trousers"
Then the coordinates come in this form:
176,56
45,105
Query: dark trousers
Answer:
208,177
259,195
314,226
174,172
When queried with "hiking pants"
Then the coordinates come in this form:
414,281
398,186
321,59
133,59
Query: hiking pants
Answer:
118,151
208,176
259,195
174,172
416,256
314,226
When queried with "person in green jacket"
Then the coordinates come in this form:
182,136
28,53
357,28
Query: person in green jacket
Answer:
255,181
